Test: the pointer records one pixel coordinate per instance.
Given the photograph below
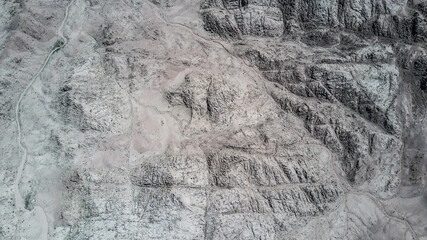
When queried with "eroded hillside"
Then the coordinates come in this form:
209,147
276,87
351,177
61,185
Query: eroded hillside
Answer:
213,119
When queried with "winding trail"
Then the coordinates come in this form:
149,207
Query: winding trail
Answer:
373,198
341,179
39,213
354,191
207,40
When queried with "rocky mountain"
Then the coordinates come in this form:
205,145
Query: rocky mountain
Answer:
213,119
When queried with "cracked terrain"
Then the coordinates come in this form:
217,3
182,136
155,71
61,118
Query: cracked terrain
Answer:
213,119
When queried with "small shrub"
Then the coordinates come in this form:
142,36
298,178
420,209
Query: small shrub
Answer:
28,201
58,45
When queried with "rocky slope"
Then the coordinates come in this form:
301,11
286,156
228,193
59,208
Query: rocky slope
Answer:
213,119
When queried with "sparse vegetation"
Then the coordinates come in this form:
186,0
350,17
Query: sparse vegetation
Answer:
96,47
58,45
28,201
20,2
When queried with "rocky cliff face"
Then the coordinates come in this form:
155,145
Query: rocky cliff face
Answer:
213,119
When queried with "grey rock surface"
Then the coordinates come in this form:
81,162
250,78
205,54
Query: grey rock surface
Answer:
213,119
